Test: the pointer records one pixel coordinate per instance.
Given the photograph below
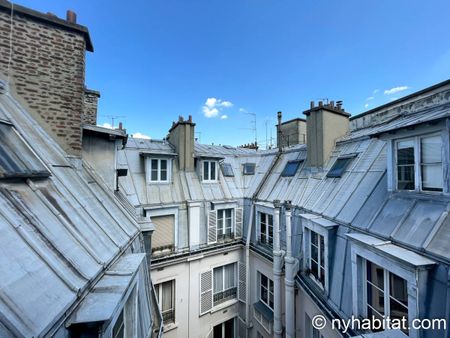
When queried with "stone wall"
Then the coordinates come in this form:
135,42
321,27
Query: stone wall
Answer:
90,106
47,70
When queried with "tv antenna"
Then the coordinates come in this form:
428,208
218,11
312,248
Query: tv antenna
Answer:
113,118
253,126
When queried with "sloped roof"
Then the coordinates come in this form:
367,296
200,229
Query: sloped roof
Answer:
58,233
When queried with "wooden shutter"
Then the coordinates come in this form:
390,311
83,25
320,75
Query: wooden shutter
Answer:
164,235
206,292
238,221
212,226
242,292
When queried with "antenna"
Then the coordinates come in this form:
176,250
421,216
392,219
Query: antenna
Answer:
324,99
253,128
199,138
114,117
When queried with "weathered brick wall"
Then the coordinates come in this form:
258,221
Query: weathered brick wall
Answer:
90,106
47,75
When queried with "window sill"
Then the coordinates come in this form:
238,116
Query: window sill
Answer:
170,327
159,182
224,305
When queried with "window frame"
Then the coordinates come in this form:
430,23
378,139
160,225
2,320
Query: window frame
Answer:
418,171
159,170
297,164
267,287
233,292
227,166
222,231
209,171
348,158
320,259
267,241
247,165
159,299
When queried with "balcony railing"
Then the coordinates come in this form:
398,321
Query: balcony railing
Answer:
168,316
223,296
225,237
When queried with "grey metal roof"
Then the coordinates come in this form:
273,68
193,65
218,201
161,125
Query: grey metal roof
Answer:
58,234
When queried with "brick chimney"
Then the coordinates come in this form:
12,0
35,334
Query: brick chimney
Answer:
181,136
47,69
90,106
324,124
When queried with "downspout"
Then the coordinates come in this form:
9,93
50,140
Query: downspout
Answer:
247,271
277,267
291,266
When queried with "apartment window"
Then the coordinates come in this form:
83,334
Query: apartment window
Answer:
249,168
225,223
341,164
159,170
317,257
163,237
225,330
386,295
265,229
224,283
209,171
165,293
227,170
266,290
291,168
419,163
119,327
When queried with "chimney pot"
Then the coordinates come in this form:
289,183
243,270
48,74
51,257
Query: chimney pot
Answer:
120,126
71,16
311,105
180,118
190,119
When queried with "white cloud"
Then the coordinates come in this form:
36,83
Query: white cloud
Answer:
366,105
370,98
375,91
395,90
224,117
140,135
213,106
393,98
242,110
106,125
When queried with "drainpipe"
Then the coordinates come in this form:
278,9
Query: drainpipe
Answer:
247,271
277,267
291,265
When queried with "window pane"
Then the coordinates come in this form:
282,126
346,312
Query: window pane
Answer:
229,276
218,331
431,149
339,167
206,170
229,328
213,171
375,274
154,175
290,169
166,296
163,164
163,175
432,177
405,152
405,177
375,298
218,279
398,288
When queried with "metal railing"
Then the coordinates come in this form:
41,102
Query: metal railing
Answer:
168,316
223,296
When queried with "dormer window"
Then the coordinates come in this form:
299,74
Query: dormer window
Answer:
249,168
291,168
159,170
418,163
209,171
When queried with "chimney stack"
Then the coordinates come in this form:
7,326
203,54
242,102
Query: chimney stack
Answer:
324,124
71,16
279,135
181,136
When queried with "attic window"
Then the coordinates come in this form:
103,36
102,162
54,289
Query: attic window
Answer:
17,160
291,168
340,165
227,170
249,168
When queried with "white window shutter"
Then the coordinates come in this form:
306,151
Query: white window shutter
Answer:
242,282
206,292
238,221
212,226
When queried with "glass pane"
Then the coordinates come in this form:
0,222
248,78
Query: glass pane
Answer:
218,331
398,288
375,274
270,219
229,276
154,175
155,165
431,149
228,213
314,269
229,329
166,296
314,253
405,152
405,177
213,171
314,239
375,298
339,167
218,280
163,175
205,170
163,164
432,177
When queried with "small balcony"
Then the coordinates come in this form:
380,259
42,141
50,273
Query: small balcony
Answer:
223,296
168,316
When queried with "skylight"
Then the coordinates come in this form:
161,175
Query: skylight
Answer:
340,165
227,170
291,168
249,168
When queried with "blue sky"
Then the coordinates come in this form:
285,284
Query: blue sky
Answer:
157,59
